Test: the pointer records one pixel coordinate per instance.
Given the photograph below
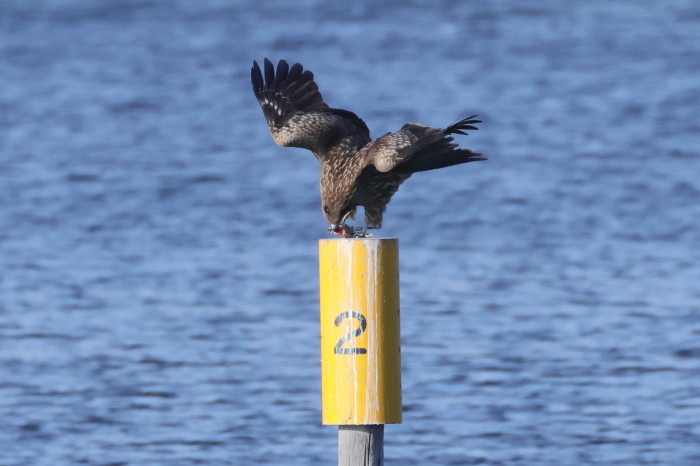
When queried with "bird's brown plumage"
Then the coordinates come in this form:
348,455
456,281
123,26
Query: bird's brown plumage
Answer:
355,170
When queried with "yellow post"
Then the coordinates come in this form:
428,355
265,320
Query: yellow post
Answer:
360,338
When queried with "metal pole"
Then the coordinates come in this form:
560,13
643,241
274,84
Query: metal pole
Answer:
361,445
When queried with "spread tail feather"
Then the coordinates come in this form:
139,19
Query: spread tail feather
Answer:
462,125
440,154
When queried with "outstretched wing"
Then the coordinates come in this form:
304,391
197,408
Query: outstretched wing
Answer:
417,148
295,111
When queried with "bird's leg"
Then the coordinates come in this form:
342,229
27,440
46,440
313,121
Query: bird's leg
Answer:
361,230
350,231
373,219
366,228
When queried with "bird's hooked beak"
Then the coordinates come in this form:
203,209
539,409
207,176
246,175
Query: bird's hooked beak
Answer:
334,228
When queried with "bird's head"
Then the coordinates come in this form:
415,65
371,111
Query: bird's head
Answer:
337,217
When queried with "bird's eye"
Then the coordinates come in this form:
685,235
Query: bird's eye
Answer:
326,210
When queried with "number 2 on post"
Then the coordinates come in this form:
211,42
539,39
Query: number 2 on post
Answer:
339,349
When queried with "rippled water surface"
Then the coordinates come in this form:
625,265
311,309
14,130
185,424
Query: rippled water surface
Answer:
158,283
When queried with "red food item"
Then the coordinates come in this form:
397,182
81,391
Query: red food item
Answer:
346,231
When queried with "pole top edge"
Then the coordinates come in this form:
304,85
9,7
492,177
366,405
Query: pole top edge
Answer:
357,239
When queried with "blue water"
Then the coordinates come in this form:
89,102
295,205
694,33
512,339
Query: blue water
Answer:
158,283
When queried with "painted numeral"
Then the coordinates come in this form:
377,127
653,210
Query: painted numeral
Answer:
339,349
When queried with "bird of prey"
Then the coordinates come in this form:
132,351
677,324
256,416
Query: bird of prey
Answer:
355,169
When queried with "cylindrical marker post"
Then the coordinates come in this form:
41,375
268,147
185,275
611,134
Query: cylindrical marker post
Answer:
360,344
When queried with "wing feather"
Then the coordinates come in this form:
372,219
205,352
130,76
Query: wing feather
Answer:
295,111
269,71
295,71
417,148
282,73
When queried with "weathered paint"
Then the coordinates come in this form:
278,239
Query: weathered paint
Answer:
361,378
